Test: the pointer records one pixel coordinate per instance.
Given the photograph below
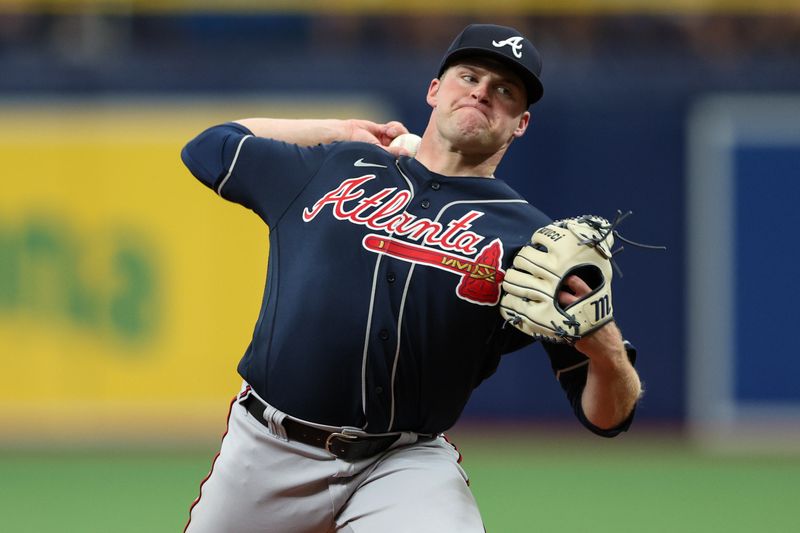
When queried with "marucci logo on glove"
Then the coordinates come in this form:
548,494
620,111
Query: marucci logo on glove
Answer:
547,232
602,307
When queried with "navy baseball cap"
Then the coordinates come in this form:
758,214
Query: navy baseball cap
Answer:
504,44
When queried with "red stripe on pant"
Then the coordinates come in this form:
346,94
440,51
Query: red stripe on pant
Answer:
214,461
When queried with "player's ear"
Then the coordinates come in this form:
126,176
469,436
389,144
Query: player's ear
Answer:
433,90
524,120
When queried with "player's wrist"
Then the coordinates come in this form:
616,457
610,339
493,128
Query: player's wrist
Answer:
605,347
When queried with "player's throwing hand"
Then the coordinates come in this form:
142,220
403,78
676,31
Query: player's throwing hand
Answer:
380,134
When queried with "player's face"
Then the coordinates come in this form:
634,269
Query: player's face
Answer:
480,106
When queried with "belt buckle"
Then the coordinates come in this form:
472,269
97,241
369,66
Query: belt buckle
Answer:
344,436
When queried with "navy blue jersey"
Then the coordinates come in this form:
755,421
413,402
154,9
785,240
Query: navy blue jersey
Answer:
379,309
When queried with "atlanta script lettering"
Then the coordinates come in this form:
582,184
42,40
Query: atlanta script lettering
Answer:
385,211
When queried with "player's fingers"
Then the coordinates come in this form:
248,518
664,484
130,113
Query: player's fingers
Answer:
390,130
361,132
577,286
566,299
572,289
395,128
360,128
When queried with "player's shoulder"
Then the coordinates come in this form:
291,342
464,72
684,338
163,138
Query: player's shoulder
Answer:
343,157
527,211
358,150
536,216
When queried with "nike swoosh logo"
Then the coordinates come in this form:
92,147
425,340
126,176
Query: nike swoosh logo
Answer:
361,163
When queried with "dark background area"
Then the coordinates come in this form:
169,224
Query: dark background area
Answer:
610,132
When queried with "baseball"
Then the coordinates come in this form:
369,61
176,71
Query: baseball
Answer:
409,141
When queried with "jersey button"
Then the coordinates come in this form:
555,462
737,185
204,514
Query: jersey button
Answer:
390,277
384,335
378,390
425,204
435,185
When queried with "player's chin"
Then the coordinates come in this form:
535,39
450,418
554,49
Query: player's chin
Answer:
470,132
472,121
477,142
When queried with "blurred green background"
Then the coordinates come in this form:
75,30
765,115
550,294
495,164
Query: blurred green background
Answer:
523,483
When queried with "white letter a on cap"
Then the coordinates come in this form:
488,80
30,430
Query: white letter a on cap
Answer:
514,42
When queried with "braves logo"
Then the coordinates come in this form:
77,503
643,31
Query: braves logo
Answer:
514,42
385,211
480,277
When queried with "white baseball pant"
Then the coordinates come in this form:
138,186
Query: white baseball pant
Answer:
262,483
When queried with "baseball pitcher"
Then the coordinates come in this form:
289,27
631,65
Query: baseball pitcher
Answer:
398,276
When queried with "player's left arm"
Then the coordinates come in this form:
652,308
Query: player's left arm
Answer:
571,369
612,385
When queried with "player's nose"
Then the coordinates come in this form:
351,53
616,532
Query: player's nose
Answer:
480,92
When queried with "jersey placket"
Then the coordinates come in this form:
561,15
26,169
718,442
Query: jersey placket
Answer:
385,351
382,342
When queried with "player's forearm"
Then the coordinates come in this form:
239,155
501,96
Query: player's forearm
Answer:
305,132
611,392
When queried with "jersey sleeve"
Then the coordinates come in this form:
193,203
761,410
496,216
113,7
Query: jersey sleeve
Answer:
571,369
264,175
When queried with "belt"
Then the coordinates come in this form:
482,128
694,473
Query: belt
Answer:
343,445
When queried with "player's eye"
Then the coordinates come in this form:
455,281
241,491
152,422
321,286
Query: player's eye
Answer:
469,78
509,92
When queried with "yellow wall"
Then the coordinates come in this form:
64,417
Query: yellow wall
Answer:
128,290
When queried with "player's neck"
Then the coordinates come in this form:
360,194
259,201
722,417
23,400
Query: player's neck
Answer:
442,157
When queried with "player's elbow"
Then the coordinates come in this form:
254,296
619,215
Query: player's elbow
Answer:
209,155
203,156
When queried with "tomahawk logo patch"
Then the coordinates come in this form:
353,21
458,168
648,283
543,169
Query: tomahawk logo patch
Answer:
480,277
451,247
